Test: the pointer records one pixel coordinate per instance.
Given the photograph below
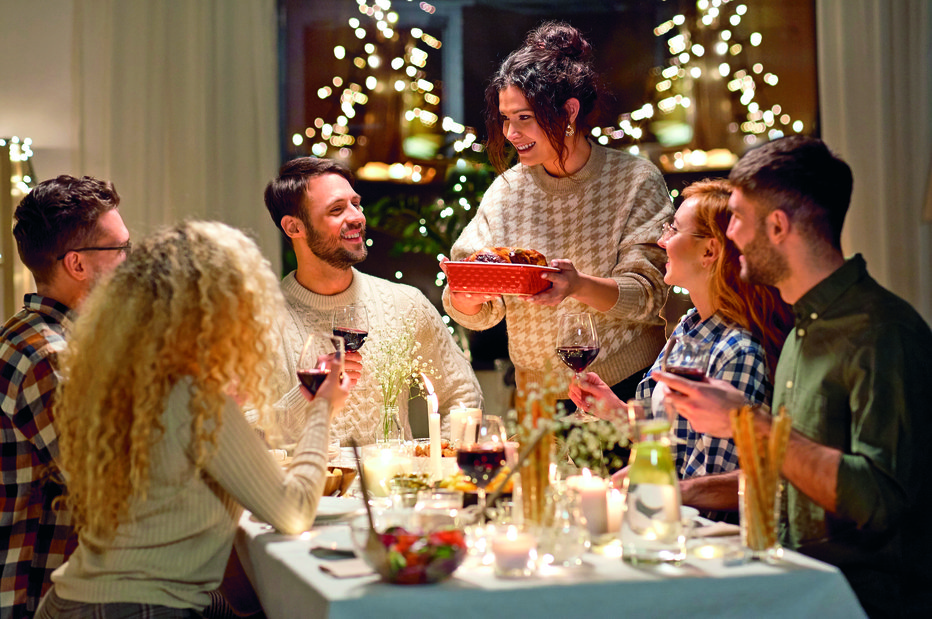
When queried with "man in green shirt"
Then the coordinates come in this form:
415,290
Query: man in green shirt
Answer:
855,375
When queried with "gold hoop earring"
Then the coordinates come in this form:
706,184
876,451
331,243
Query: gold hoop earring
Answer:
570,131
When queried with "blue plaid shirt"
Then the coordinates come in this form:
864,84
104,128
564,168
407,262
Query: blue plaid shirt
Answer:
736,357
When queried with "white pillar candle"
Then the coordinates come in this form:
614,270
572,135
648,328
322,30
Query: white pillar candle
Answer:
593,501
513,552
382,466
616,506
436,451
458,419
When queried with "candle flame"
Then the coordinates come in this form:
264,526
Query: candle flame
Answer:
428,386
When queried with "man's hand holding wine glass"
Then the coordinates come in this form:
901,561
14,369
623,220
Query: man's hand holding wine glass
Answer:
351,322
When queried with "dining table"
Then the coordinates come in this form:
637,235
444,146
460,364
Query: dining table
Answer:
292,582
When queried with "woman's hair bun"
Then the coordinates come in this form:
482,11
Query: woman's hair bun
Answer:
560,38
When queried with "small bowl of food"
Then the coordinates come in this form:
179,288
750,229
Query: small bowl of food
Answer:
339,479
410,557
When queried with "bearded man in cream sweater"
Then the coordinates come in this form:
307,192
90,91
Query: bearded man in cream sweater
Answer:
313,203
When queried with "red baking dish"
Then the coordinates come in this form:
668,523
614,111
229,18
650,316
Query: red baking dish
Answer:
497,278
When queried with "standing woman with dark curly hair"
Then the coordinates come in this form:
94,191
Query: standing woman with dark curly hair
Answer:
158,456
594,211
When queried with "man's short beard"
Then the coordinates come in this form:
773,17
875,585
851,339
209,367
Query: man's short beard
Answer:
763,263
331,252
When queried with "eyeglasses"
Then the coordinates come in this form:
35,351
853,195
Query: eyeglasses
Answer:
669,229
126,248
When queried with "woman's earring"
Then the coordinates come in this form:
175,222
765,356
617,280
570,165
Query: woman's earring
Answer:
570,131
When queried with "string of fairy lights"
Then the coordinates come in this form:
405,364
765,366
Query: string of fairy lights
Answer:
381,56
21,180
709,47
378,62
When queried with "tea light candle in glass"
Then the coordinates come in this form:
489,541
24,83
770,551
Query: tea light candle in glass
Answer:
380,465
515,553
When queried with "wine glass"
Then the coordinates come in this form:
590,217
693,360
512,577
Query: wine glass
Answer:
351,322
481,454
577,347
687,357
577,341
322,354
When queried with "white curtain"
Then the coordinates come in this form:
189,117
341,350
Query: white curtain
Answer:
176,102
875,91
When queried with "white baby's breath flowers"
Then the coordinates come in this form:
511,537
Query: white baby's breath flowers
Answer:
396,365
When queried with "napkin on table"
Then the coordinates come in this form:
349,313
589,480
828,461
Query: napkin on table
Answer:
346,568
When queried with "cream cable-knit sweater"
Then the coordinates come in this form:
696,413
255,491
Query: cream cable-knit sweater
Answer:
387,304
606,219
175,546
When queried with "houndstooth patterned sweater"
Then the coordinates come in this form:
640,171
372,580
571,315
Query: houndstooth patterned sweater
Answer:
606,219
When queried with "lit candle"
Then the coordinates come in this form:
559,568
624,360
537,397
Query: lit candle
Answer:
593,501
616,506
514,553
436,451
379,468
459,417
433,430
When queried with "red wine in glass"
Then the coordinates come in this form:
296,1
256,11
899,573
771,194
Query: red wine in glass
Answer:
481,464
577,346
322,353
577,358
351,322
354,338
313,379
696,374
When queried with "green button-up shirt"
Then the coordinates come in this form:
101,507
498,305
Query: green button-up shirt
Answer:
856,375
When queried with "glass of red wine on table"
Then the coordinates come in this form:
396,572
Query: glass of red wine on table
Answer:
321,355
577,347
351,322
481,454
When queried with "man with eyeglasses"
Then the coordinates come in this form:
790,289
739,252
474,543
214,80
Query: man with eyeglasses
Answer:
69,234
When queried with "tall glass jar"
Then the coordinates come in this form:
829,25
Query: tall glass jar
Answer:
564,539
651,525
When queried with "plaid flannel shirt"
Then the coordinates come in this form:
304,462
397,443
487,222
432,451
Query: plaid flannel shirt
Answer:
736,357
35,536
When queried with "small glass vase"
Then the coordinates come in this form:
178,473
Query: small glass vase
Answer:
390,431
564,538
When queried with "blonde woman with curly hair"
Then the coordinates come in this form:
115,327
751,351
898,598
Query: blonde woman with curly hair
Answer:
159,458
744,324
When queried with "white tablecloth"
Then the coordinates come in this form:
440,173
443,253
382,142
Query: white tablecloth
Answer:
290,584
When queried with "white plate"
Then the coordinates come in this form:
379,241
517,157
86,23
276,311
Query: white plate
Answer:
688,513
337,508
